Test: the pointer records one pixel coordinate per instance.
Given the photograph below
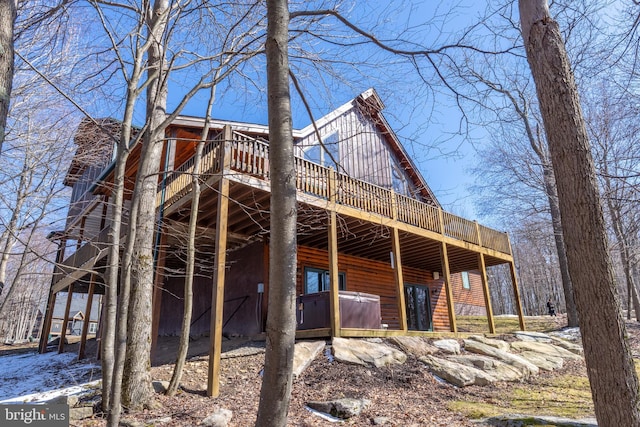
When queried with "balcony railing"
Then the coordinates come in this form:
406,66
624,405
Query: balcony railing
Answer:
250,156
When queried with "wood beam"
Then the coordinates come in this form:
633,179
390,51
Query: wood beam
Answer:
158,285
516,293
446,273
63,330
402,309
487,295
334,276
217,297
51,303
87,317
397,268
46,327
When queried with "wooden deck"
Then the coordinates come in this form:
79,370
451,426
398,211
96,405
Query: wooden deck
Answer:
338,191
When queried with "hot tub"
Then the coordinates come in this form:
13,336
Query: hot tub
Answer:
357,310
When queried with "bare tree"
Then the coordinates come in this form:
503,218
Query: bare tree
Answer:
281,326
7,22
614,383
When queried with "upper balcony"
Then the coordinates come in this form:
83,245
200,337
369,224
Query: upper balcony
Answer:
245,159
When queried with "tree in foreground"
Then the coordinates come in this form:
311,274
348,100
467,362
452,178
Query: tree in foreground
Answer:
610,367
281,327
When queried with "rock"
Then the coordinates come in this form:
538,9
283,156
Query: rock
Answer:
500,344
64,400
341,408
448,345
305,352
527,368
80,412
568,345
160,386
381,421
414,345
500,371
542,361
456,373
220,418
533,336
544,348
568,334
365,353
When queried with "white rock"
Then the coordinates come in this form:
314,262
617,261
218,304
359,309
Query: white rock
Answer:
544,348
220,418
305,352
366,353
448,345
502,345
456,373
526,367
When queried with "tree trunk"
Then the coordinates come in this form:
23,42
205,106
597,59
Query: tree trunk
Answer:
137,392
7,21
183,347
281,325
614,384
108,355
558,234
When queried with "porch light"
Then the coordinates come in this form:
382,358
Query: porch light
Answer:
436,275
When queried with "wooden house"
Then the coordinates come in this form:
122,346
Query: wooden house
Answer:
366,218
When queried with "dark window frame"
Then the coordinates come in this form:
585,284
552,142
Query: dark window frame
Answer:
325,281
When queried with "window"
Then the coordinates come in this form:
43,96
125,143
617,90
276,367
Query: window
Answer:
93,327
465,280
328,155
317,280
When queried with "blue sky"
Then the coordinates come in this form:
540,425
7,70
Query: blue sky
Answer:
425,120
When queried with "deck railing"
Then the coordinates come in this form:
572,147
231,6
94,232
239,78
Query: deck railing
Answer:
89,251
249,155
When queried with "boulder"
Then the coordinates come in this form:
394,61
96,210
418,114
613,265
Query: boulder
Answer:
527,368
568,345
305,352
417,346
456,373
70,400
500,344
448,346
500,371
80,412
220,418
533,336
542,361
544,348
160,386
341,408
366,353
